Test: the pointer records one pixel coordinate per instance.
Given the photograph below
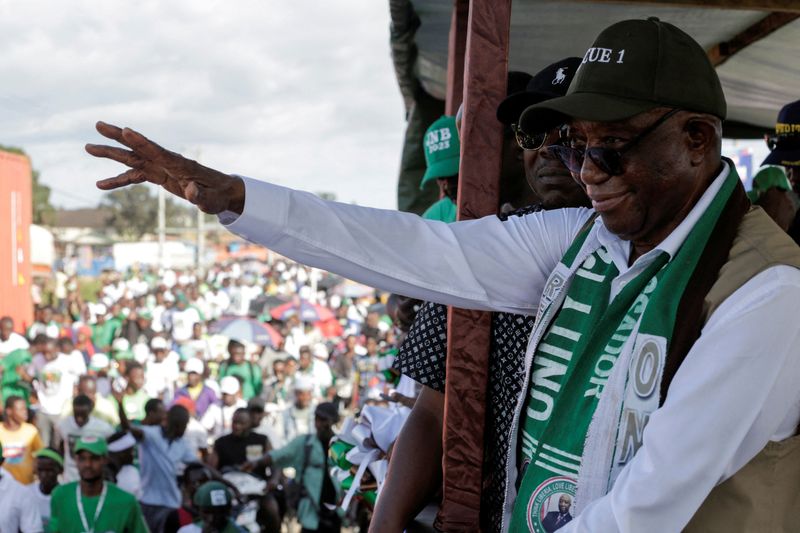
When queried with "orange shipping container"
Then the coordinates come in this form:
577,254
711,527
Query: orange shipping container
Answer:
15,220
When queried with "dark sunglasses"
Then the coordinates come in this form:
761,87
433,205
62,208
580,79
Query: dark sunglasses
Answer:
786,141
534,141
607,159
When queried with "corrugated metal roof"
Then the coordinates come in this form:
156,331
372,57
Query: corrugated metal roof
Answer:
757,80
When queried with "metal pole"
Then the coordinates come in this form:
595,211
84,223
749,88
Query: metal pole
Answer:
162,223
201,240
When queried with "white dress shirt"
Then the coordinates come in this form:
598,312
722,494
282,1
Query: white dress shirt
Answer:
735,391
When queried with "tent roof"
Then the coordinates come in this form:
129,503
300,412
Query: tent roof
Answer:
758,79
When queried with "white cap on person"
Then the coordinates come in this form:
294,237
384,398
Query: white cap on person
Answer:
159,343
120,344
303,382
193,364
229,385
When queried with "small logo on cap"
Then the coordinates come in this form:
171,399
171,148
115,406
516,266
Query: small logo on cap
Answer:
560,76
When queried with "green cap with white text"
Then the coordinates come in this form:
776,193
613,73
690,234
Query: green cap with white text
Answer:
632,67
94,445
442,150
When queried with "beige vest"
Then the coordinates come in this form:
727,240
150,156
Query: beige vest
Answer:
764,496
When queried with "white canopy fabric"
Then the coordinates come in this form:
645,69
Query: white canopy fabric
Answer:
757,80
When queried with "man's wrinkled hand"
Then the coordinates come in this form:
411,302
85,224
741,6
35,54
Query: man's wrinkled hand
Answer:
210,190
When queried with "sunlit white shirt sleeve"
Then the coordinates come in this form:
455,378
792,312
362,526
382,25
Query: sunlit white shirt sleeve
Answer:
479,264
736,391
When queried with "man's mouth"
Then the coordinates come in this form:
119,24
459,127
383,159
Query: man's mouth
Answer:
608,201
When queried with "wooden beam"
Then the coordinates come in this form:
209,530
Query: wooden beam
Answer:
469,332
455,56
785,6
720,53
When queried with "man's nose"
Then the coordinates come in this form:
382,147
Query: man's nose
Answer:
591,174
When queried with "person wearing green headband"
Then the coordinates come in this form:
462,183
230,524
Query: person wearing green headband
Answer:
49,466
772,191
93,504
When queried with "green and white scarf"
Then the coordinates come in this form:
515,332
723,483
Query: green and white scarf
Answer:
582,422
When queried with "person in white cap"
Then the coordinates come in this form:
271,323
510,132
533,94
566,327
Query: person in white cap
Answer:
298,419
161,371
218,417
201,394
120,457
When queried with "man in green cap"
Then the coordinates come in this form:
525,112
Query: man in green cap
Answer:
670,305
772,191
93,504
214,502
442,154
49,465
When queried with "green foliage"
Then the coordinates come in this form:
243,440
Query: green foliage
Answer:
134,212
43,210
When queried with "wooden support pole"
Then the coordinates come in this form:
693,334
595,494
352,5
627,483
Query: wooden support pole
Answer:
723,51
785,6
468,340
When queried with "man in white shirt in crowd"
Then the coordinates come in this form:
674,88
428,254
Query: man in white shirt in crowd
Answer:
49,465
9,340
298,418
121,446
161,372
55,376
18,511
80,424
218,417
183,320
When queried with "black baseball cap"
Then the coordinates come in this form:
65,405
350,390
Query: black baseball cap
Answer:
632,67
550,82
328,411
787,137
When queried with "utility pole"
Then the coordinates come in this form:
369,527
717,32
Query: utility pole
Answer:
201,239
162,222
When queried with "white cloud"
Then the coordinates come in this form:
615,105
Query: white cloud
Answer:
301,93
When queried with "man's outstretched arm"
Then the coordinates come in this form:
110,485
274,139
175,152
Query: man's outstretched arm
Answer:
478,264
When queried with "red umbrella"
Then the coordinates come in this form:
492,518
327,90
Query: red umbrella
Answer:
330,328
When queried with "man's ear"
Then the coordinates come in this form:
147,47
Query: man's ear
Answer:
703,137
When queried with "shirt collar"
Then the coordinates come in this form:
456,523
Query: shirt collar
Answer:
674,240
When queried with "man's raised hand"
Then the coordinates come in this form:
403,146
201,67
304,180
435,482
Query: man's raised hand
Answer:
210,190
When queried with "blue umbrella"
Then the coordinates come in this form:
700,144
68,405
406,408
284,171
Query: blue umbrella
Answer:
246,329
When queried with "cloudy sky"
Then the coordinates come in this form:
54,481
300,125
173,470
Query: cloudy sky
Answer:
301,92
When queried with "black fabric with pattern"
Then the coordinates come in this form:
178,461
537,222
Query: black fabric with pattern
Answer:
422,357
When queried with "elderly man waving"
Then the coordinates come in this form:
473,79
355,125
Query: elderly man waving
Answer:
663,367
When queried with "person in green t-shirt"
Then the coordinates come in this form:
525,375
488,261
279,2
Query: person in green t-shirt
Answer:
93,504
248,373
14,378
135,397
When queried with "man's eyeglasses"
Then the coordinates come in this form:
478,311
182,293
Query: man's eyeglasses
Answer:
787,141
534,141
608,160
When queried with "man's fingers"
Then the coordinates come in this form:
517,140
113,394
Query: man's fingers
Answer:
120,155
126,178
109,130
150,150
